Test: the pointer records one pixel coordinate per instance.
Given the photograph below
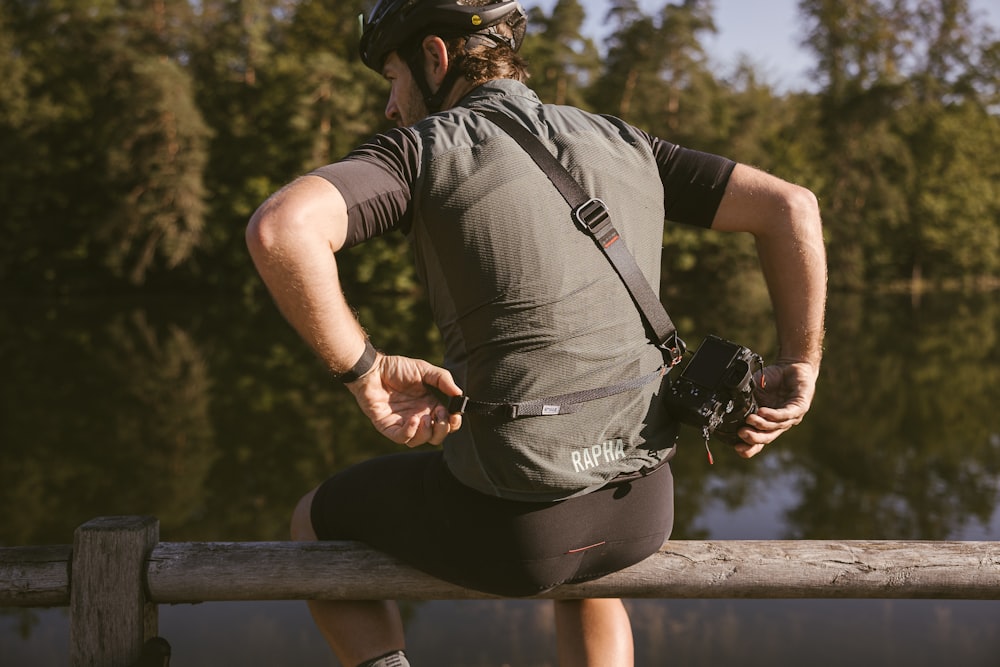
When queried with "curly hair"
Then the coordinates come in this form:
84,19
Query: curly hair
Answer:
482,60
482,63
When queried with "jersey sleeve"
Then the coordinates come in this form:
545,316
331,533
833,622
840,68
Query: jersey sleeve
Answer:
376,180
693,182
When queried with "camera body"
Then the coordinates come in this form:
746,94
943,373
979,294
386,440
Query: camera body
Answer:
715,391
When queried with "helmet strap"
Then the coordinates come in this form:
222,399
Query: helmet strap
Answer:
414,58
435,100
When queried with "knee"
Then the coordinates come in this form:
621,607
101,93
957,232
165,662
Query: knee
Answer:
302,529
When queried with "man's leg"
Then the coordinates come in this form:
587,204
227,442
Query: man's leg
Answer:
356,631
592,633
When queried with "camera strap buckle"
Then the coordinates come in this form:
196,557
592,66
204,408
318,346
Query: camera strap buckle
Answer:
593,216
675,347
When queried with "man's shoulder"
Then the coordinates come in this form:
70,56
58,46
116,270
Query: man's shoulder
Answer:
461,125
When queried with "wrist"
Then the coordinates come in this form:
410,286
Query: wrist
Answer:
807,355
362,366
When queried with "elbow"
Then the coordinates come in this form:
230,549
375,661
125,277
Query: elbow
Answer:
262,231
803,214
803,205
278,227
309,213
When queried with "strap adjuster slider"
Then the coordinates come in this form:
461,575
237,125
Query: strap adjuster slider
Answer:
593,216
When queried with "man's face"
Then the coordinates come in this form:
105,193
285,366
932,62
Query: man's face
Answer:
406,105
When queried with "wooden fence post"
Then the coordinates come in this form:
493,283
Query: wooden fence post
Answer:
110,617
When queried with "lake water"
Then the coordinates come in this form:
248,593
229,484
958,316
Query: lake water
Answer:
210,415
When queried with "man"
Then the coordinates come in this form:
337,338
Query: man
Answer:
529,308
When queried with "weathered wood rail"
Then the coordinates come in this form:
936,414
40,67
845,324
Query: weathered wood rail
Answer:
117,571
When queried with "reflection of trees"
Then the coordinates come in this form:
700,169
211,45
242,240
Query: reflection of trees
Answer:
899,443
285,424
216,418
213,417
105,413
755,633
166,397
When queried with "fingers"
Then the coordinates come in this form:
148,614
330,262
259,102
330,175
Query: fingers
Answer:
754,442
401,401
434,427
784,395
440,428
764,426
767,420
749,451
442,380
440,422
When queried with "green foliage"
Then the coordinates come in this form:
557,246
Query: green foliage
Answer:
14,72
106,146
139,137
154,163
655,74
955,198
563,61
905,111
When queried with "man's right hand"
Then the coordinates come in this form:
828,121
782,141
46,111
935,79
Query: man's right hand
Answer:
398,396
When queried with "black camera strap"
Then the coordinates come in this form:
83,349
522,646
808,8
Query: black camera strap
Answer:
592,215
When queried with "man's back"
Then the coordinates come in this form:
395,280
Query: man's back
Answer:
528,304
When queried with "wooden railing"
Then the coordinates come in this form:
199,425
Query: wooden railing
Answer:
117,571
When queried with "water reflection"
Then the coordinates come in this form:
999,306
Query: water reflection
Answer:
905,445
692,633
103,410
214,418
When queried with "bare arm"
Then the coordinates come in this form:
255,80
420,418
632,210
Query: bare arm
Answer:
293,238
785,221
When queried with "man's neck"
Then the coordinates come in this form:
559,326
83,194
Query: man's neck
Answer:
461,88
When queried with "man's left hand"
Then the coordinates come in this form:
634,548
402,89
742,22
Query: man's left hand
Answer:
785,392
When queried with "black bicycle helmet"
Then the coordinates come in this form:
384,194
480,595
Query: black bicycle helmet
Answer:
396,23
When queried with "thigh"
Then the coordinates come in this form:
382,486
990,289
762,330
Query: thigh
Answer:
380,499
595,534
410,506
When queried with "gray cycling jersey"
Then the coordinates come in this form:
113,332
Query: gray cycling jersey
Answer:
527,304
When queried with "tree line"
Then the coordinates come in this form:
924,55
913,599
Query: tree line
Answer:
138,136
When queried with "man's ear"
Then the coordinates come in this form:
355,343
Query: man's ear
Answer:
435,60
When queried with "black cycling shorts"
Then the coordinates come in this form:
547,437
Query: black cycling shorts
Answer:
410,506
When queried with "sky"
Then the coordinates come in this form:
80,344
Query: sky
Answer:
765,31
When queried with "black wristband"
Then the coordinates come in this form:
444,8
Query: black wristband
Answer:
363,365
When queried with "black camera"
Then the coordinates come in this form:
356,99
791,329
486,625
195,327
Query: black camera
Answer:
715,391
